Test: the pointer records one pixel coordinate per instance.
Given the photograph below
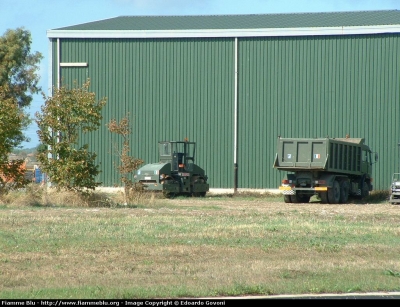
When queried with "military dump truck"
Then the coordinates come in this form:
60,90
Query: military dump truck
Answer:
334,169
394,197
175,173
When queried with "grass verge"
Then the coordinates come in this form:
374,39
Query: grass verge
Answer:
196,247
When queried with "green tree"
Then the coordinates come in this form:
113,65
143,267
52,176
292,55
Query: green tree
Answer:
40,148
18,82
11,122
127,164
64,116
18,66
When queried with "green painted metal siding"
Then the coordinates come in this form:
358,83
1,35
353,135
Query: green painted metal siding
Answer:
314,86
172,88
317,87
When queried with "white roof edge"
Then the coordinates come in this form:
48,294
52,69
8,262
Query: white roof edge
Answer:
223,32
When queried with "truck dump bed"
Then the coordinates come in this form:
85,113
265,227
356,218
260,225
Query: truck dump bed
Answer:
341,155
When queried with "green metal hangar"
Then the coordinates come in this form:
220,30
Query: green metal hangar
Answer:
233,83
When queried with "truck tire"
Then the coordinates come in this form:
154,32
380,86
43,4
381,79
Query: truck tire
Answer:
201,181
169,194
344,191
324,197
199,194
287,199
334,193
365,190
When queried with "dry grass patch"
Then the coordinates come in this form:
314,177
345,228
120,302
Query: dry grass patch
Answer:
39,195
192,247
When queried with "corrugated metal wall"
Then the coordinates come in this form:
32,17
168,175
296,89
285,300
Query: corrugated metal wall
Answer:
173,89
316,87
293,86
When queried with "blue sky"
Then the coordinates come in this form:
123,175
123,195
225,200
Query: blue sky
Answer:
38,16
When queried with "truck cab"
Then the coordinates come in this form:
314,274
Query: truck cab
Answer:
179,154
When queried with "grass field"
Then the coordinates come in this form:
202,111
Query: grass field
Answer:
197,247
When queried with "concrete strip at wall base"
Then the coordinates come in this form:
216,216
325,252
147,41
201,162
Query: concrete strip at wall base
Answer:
231,191
212,191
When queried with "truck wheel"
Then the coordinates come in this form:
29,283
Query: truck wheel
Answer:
324,197
199,194
286,199
334,193
344,191
201,181
169,194
294,199
365,190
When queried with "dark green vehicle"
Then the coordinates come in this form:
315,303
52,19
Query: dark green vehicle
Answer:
332,168
175,173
